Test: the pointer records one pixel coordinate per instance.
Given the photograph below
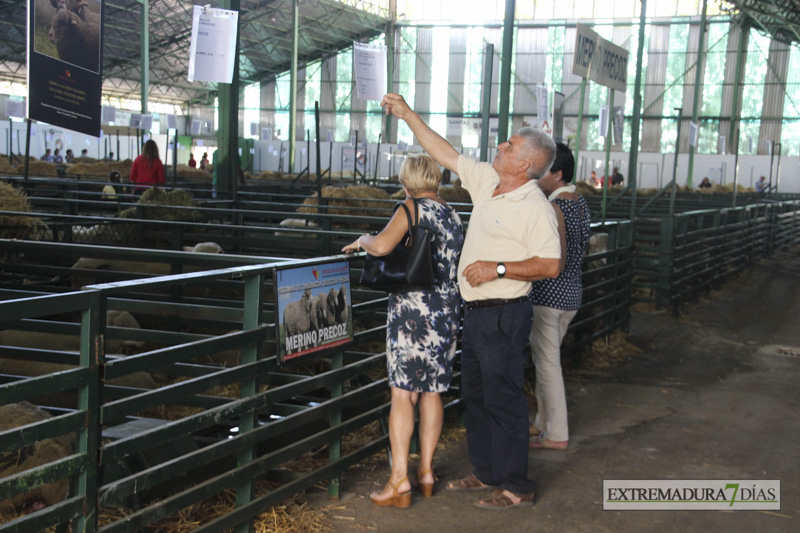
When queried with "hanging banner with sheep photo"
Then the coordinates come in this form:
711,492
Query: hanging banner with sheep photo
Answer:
65,44
313,308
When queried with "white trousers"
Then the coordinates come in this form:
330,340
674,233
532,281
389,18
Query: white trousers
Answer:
549,328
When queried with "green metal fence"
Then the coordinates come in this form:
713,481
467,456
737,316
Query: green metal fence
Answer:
132,456
677,257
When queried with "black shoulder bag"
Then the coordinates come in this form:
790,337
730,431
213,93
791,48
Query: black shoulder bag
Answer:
409,266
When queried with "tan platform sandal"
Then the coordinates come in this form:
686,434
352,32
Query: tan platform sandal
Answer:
402,499
426,488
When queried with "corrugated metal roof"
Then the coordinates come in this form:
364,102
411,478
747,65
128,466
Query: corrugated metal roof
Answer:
265,41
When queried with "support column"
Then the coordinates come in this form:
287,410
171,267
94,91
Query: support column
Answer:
145,64
736,100
390,38
227,156
698,80
293,82
633,162
486,99
505,72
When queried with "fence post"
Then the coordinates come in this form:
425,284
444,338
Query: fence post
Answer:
335,447
253,311
93,321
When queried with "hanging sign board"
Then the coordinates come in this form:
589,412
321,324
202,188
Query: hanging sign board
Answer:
212,51
65,73
470,125
599,60
370,65
314,309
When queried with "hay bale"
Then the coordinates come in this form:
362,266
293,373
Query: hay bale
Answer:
14,226
584,189
100,168
269,175
160,197
345,200
454,193
185,171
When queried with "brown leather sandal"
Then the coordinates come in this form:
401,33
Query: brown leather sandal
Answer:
500,500
471,482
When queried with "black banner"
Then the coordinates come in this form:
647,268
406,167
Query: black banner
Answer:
65,44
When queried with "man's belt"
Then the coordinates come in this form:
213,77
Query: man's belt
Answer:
493,302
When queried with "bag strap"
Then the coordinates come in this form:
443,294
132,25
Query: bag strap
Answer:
408,214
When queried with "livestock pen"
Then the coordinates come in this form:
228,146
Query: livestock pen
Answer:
246,426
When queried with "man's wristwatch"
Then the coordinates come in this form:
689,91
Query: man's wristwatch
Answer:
501,270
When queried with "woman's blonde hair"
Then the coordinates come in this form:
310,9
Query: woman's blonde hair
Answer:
420,173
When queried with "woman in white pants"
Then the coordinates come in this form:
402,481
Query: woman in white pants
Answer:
555,302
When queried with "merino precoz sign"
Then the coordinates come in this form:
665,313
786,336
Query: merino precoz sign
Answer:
65,64
313,308
599,60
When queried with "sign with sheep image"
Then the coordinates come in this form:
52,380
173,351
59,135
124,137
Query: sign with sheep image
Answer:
65,44
314,309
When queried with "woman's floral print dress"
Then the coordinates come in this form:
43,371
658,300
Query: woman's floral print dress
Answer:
423,325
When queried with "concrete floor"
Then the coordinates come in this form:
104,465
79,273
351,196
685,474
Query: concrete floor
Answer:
712,396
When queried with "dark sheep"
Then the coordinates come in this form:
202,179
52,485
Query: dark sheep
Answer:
340,306
324,308
297,315
79,7
77,41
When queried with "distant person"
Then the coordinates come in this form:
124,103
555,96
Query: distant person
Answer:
214,173
47,156
761,184
616,177
446,176
705,184
69,157
192,161
594,181
84,153
147,169
204,161
57,159
110,156
109,191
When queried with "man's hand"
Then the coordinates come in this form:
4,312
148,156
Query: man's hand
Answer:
394,104
480,272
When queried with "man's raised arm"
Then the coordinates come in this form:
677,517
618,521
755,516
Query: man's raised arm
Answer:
433,143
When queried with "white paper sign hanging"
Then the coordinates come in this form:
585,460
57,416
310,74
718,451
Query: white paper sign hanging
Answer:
603,122
109,113
693,131
135,121
15,108
370,66
172,122
212,51
617,125
147,122
254,128
541,102
195,129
